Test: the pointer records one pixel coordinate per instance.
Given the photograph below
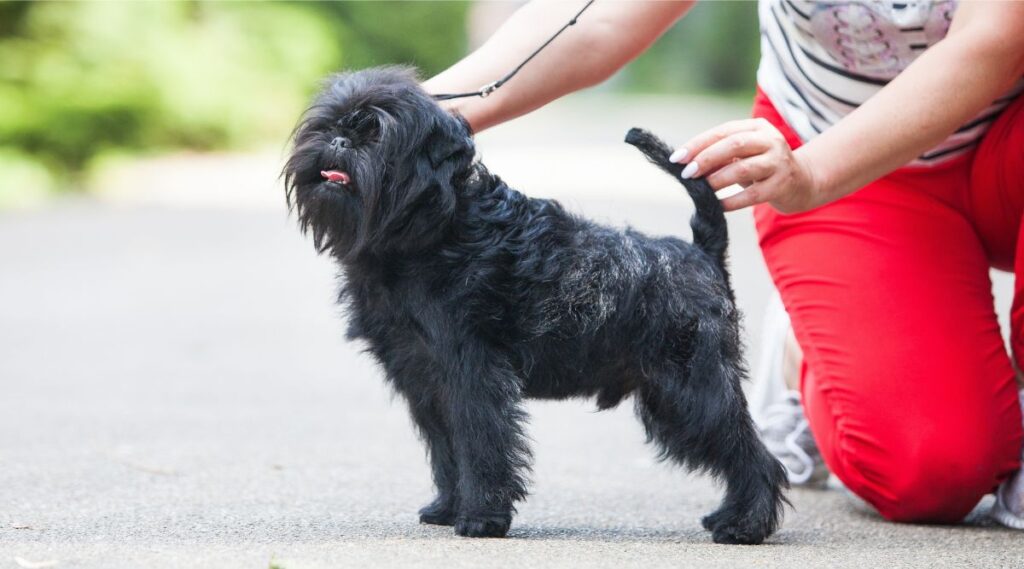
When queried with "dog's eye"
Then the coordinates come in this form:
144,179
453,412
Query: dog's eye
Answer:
364,123
357,120
367,124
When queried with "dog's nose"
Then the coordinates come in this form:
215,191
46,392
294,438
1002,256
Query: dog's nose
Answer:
340,142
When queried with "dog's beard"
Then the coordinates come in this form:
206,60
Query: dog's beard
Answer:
331,210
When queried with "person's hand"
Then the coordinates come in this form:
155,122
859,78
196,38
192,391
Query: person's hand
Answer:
755,155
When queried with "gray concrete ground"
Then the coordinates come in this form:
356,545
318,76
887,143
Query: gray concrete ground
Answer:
175,392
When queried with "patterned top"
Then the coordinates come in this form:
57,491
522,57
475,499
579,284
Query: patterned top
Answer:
820,60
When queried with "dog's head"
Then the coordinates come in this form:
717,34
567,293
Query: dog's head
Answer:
374,164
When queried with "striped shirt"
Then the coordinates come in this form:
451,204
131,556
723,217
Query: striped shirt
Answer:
820,60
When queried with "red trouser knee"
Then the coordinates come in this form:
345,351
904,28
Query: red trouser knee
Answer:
907,384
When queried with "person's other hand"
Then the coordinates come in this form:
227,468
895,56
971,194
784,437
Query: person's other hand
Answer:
755,155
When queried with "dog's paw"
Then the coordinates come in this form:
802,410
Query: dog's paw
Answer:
440,512
483,526
737,534
735,529
710,521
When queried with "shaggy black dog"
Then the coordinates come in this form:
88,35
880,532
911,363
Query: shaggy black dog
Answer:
473,297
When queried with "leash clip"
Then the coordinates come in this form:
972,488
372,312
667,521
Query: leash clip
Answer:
489,88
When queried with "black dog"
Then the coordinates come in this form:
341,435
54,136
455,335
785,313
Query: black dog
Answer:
473,297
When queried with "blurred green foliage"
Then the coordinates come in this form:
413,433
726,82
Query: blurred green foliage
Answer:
714,48
79,79
82,78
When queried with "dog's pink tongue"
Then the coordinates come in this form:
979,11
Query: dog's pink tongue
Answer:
335,176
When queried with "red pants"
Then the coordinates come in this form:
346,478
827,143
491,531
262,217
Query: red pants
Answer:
906,380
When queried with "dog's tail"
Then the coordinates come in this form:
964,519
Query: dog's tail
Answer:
708,222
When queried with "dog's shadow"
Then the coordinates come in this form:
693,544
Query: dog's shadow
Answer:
631,534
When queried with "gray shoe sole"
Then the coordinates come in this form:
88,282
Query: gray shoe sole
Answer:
1001,513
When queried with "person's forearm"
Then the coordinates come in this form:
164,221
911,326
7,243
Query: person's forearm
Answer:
944,88
606,37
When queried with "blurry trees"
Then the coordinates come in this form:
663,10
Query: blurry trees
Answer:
715,48
78,79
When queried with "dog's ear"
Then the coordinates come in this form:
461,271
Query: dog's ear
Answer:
450,139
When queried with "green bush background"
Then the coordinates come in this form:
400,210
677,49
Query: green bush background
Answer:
84,78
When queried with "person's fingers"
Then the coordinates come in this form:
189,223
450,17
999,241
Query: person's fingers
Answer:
697,144
751,195
725,151
766,139
744,172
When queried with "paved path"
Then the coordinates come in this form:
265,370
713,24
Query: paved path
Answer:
175,392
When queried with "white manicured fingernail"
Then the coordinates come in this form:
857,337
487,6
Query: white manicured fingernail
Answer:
689,171
678,155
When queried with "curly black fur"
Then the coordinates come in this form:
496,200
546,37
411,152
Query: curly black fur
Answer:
473,297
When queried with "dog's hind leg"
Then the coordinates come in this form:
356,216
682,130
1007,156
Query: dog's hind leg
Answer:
490,447
698,416
433,426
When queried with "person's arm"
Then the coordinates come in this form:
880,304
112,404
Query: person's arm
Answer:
979,60
606,37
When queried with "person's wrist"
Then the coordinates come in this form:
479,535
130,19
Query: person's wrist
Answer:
815,181
471,112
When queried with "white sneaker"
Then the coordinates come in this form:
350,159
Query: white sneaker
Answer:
1009,507
777,410
787,435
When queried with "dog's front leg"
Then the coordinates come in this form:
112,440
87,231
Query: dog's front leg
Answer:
432,422
490,447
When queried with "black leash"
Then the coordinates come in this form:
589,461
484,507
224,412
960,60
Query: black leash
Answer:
491,87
